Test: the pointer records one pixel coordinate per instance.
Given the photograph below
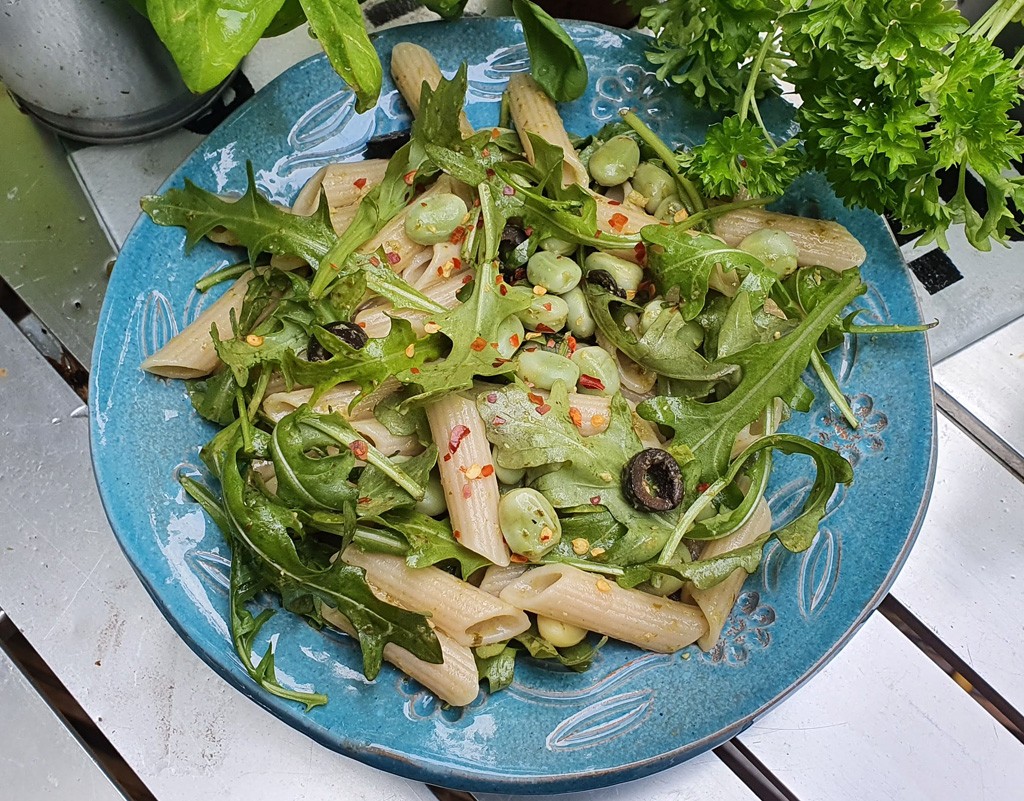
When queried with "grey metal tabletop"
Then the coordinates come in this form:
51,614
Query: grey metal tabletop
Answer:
100,697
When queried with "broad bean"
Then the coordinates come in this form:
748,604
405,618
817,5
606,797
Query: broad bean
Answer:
552,244
433,218
559,633
546,313
775,248
626,274
505,475
580,320
433,501
615,161
555,273
598,372
653,183
510,336
528,522
542,368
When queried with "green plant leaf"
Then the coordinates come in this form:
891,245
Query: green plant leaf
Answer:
555,61
431,541
339,26
379,493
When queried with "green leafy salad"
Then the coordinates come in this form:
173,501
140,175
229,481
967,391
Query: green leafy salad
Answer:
439,383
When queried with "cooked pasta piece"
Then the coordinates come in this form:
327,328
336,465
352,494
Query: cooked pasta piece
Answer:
337,399
596,603
498,578
376,320
411,65
754,430
717,602
308,199
346,184
534,112
467,475
454,681
191,354
383,440
471,616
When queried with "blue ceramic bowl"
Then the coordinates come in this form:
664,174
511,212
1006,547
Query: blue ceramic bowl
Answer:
632,714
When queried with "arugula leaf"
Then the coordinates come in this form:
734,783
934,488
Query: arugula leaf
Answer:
704,573
577,657
262,528
309,475
665,346
496,666
706,431
585,470
379,493
682,258
213,397
431,541
555,61
260,226
339,26
472,327
206,41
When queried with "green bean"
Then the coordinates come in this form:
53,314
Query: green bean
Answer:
580,320
528,522
775,248
615,161
546,313
542,368
433,502
653,183
433,218
599,374
510,336
505,475
555,273
553,244
626,274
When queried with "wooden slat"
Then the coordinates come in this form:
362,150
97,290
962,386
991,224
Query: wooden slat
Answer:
882,721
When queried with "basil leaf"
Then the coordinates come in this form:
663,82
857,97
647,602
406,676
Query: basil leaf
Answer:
339,26
206,40
555,61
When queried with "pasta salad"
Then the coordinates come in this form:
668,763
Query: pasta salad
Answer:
505,392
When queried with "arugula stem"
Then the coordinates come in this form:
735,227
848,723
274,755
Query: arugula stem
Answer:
374,540
220,276
756,111
828,378
666,155
587,565
717,211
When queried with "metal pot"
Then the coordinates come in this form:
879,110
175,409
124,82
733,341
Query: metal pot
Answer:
94,70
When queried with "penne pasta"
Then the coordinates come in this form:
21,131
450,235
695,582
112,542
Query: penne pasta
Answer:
498,578
716,603
464,458
376,320
191,353
454,680
308,199
383,440
593,602
411,65
346,184
534,112
471,616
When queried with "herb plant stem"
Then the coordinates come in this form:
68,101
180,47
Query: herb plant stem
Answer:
651,139
755,70
825,374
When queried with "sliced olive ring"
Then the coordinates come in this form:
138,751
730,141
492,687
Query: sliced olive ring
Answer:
385,145
349,333
513,262
652,481
604,279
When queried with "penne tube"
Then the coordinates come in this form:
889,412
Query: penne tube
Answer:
754,430
335,400
376,320
191,353
622,219
411,65
464,458
818,242
497,578
383,440
593,602
717,602
346,184
534,112
308,199
454,681
472,617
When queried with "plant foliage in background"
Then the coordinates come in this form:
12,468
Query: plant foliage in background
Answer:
899,96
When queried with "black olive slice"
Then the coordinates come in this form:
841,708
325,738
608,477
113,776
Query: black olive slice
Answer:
349,333
652,481
604,279
511,254
385,145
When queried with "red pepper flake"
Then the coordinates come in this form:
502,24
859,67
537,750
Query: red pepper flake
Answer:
618,221
466,279
447,457
458,433
641,252
495,133
498,363
393,257
508,191
597,233
365,500
528,231
590,382
545,329
518,558
457,235
535,399
702,487
502,290
334,266
413,370
359,183
456,264
576,417
494,345
498,420
595,500
467,491
486,152
490,173
361,324
514,340
457,534
478,344
499,279
409,177
543,409
480,223
487,471
571,342
614,203
374,261
359,449
547,307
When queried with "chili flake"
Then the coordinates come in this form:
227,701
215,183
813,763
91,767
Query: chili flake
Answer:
457,235
365,500
498,420
492,397
547,307
374,261
514,340
543,409
614,203
576,417
393,257
518,558
459,432
487,471
467,491
478,344
507,190
495,133
457,534
595,500
409,177
414,370
503,290
545,329
410,351
546,534
618,221
535,399
359,449
571,342
702,487
359,183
